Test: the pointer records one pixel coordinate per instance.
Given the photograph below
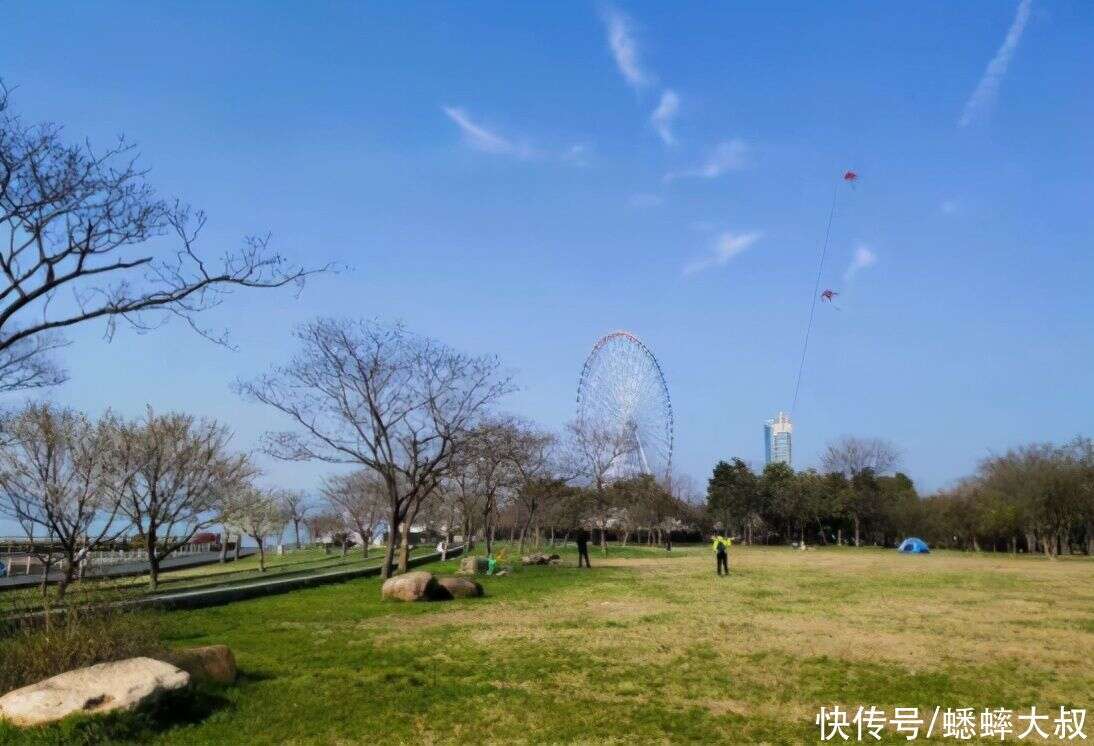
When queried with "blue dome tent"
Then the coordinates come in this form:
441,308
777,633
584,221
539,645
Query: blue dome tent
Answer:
912,545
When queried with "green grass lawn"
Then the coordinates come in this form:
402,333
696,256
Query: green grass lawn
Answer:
245,570
645,647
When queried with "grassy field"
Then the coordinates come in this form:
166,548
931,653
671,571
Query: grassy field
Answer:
645,647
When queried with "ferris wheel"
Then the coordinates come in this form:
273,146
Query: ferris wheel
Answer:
623,391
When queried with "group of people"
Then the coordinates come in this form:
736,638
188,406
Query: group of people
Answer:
720,545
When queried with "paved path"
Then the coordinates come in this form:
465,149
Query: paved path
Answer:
125,569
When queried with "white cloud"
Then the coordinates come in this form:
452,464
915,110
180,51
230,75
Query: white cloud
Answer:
664,114
624,48
480,138
863,258
726,156
988,87
641,201
727,246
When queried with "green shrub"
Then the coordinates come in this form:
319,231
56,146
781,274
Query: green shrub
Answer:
30,653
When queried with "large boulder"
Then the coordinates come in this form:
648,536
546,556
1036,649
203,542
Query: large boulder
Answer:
213,663
473,566
411,586
460,587
106,687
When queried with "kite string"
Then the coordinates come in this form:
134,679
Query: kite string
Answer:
816,290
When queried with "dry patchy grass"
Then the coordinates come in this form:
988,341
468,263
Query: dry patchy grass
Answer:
653,648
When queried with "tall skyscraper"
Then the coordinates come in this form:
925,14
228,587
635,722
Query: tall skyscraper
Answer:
777,440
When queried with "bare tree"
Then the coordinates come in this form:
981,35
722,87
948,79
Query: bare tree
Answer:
596,454
260,514
360,497
324,525
53,466
859,460
170,471
530,453
482,476
851,456
363,393
85,237
296,507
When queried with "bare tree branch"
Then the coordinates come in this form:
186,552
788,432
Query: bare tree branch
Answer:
83,236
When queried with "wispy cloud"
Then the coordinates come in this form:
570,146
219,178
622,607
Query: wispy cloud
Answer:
726,156
479,137
988,87
726,247
863,259
578,154
624,48
642,201
663,116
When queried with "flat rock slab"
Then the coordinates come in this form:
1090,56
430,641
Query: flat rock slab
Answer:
106,687
539,559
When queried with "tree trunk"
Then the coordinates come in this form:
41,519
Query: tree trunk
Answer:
345,545
239,543
153,570
66,578
975,544
468,542
553,537
261,553
223,547
366,539
389,550
404,545
296,531
839,537
857,536
1090,537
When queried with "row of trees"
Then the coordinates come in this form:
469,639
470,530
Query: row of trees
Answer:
419,424
87,238
1037,498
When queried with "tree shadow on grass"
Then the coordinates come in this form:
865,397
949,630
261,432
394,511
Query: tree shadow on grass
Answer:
246,678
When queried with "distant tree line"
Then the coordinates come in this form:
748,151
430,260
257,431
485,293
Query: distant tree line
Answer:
1036,498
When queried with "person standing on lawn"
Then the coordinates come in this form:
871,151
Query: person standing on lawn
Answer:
582,539
721,546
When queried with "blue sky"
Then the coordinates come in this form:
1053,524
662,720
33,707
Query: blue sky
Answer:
521,178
